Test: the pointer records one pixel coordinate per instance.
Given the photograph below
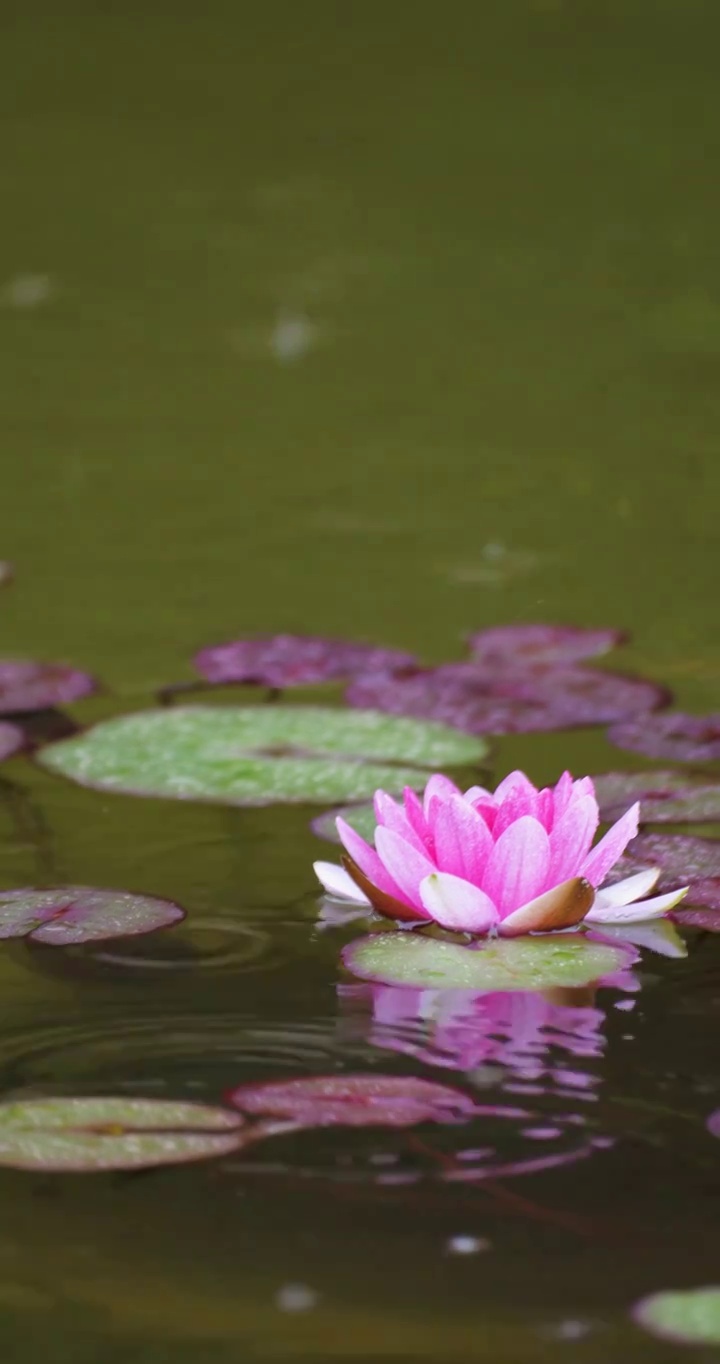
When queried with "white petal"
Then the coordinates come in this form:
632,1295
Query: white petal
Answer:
338,882
659,935
631,914
632,888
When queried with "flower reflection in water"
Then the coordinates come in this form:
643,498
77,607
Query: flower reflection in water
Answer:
543,1049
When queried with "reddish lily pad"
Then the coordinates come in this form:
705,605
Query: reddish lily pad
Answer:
540,646
665,797
483,701
68,915
684,1316
294,660
26,686
675,737
356,1101
82,1135
707,919
12,740
682,858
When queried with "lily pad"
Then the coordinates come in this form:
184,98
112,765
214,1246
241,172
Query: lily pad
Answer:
682,857
356,1101
531,963
87,1134
706,918
26,686
75,914
675,737
540,646
687,1316
665,797
294,660
483,700
254,755
12,740
361,818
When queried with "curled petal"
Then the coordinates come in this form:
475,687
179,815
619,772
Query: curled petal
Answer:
611,848
562,907
380,900
456,904
631,914
367,860
630,889
338,883
406,866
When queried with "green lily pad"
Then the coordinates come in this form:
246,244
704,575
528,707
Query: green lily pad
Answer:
689,1316
531,963
255,755
79,1134
361,818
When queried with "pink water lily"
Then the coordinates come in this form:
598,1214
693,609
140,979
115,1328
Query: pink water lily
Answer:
519,860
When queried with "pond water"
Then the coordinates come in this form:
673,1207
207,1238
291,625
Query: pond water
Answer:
392,327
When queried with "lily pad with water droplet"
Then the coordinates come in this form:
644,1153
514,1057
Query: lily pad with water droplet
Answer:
687,1316
531,963
673,737
11,740
665,797
540,646
356,1101
254,755
68,915
26,686
294,660
88,1134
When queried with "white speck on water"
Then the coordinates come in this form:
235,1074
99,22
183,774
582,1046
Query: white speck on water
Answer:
296,1297
466,1245
26,291
292,337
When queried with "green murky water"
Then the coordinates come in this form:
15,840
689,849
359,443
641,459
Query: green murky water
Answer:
387,324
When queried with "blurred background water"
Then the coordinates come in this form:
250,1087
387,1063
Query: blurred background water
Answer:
373,322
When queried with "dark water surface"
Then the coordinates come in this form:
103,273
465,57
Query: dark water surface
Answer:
381,322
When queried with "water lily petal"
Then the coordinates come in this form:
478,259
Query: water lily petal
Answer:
571,839
611,847
367,860
391,816
628,890
518,801
438,786
514,781
391,906
562,907
563,794
336,881
404,864
636,913
518,865
416,814
456,904
463,841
